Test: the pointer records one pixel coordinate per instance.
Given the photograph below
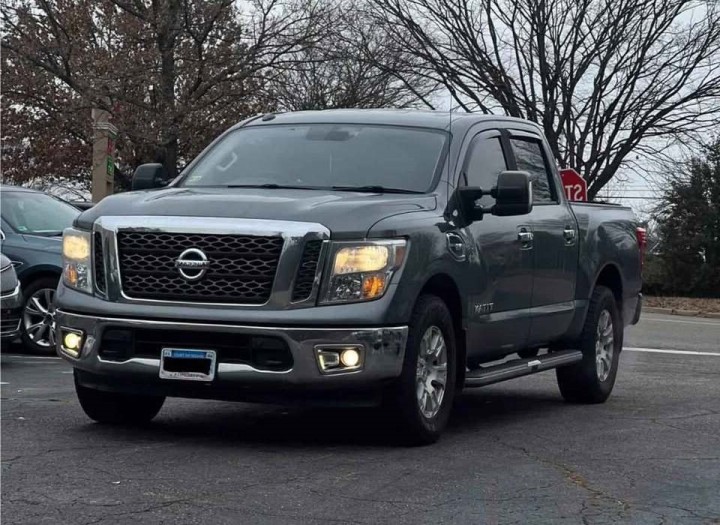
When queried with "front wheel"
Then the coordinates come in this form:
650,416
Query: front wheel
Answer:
117,408
421,399
38,321
592,379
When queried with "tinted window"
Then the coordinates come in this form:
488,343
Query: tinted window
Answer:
36,213
530,158
323,155
484,164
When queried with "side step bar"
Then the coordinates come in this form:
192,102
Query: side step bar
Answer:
521,367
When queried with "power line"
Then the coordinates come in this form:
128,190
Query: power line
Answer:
607,197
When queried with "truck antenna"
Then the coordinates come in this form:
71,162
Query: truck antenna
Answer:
450,112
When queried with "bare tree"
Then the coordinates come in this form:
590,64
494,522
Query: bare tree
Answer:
173,73
353,65
604,78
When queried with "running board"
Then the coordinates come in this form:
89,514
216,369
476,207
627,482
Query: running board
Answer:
521,367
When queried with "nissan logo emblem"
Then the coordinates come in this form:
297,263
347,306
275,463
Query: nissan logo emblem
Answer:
192,264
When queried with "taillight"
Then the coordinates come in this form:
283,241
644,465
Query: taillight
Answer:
641,235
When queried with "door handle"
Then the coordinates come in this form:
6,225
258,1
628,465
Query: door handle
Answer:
525,236
569,235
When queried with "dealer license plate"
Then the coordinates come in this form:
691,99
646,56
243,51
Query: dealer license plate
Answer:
187,364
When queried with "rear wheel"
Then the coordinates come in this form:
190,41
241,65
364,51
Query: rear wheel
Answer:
116,408
421,400
592,379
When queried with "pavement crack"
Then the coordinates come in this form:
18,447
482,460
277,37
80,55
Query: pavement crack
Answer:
597,496
148,508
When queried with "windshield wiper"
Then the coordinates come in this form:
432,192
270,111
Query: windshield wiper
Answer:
373,189
271,186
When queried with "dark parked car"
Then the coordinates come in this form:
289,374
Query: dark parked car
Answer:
11,301
360,256
32,226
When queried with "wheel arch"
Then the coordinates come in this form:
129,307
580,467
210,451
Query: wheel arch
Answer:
442,285
39,272
610,276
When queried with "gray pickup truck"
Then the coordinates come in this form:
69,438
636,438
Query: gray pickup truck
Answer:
347,256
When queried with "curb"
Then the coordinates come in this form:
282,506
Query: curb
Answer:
656,310
684,313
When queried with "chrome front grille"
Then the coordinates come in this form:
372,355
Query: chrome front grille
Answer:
99,263
241,268
307,270
245,263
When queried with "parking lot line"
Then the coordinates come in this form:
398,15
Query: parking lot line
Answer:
20,356
681,321
667,351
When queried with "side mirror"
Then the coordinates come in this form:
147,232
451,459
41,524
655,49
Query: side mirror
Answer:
148,176
467,197
513,194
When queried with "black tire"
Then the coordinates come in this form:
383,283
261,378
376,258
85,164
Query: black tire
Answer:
47,283
414,427
116,408
581,382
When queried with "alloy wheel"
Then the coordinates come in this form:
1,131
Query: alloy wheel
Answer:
431,373
604,345
39,318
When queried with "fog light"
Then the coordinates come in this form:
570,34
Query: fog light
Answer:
328,360
334,359
71,341
350,357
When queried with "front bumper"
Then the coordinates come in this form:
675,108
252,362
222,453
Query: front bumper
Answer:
383,348
11,314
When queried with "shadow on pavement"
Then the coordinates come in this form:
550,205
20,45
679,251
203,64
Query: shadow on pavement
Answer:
232,425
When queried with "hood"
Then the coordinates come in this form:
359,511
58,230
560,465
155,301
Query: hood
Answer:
345,214
43,243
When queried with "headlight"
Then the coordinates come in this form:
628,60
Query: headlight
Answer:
362,271
76,260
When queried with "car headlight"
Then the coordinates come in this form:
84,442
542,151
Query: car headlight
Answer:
77,260
361,271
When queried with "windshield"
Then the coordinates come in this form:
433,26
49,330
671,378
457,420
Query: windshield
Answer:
36,213
323,156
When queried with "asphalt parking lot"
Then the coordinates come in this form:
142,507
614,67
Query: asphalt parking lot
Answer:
514,453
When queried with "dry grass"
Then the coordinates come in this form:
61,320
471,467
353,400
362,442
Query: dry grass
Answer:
684,303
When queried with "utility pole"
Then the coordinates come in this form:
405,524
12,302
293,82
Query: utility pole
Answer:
103,157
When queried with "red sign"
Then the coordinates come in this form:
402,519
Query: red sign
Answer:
575,186
110,145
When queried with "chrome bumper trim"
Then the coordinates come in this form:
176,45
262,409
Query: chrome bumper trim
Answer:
384,351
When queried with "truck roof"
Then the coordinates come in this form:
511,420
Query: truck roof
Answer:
388,117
